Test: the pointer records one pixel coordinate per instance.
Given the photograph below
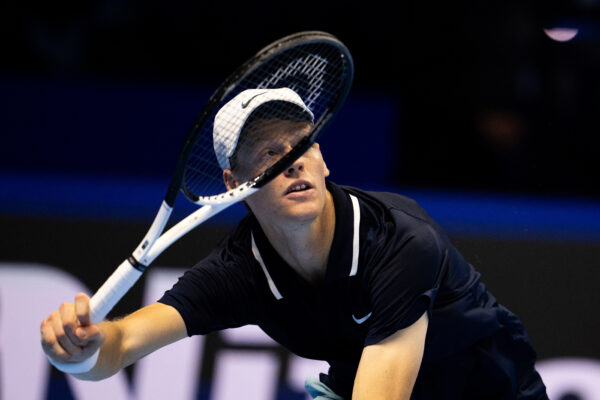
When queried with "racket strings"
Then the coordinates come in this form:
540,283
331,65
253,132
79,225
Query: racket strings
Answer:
314,71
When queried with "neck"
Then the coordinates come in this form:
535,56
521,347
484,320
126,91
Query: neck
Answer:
304,245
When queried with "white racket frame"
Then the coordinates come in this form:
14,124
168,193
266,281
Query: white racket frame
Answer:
153,244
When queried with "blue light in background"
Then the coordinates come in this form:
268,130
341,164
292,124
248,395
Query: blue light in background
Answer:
105,150
460,214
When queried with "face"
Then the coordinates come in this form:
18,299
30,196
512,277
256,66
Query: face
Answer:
296,194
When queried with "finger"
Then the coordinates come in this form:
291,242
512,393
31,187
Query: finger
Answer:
61,336
69,323
94,336
50,344
90,333
82,309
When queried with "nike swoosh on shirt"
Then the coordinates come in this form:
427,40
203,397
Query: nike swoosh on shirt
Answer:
245,103
363,319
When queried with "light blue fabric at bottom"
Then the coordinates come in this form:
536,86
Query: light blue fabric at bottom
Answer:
319,391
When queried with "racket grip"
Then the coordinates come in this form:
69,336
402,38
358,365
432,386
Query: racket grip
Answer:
115,287
77,368
109,294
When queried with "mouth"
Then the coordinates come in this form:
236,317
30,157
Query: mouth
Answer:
298,186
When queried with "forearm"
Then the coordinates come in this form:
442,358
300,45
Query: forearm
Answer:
135,336
389,369
71,342
379,382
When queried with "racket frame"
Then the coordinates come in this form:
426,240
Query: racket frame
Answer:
153,243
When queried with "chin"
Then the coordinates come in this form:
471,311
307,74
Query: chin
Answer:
301,212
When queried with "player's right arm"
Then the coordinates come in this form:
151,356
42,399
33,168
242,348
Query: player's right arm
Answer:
68,336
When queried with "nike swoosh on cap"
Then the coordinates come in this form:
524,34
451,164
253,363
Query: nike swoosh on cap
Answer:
245,103
363,319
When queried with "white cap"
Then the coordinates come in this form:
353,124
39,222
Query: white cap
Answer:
230,119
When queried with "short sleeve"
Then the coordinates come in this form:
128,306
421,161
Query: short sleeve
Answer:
215,294
403,284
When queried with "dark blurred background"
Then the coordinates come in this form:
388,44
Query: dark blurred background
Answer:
469,107
483,98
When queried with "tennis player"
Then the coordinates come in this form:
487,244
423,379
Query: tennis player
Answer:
364,280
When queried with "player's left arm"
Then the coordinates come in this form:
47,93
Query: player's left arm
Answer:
388,369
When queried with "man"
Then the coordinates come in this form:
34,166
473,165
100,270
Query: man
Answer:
367,281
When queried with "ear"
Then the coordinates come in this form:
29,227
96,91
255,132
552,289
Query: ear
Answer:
229,180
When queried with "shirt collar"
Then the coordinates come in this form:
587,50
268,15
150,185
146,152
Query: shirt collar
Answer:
343,256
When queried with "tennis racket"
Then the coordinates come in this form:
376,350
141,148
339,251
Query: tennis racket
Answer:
315,70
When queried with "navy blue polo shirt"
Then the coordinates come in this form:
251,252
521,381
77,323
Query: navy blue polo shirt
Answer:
389,263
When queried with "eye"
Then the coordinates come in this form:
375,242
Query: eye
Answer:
268,153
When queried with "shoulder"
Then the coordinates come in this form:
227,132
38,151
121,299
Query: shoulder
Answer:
233,253
223,286
397,218
398,239
396,204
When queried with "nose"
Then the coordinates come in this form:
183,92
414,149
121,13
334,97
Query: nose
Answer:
296,167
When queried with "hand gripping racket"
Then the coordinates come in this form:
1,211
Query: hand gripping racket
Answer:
317,67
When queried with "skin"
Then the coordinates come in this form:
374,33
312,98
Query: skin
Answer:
300,226
68,336
389,369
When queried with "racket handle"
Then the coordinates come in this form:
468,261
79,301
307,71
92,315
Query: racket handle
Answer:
109,294
77,368
115,287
